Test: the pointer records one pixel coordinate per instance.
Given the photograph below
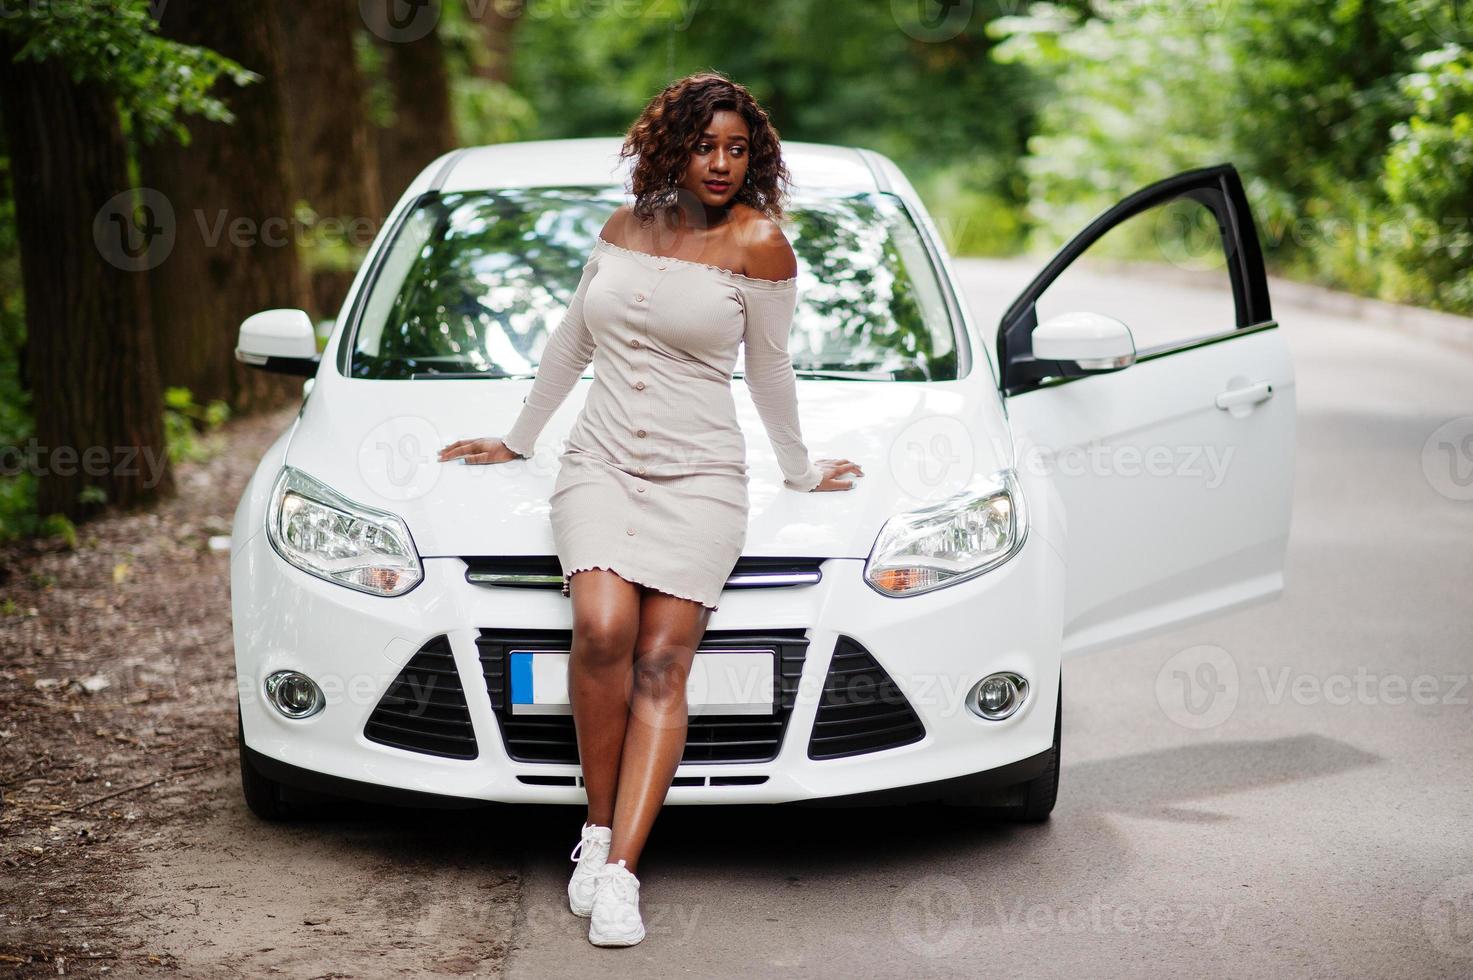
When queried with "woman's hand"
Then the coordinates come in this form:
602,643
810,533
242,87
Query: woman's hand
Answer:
490,450
833,468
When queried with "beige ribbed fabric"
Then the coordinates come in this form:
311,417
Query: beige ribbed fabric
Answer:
652,483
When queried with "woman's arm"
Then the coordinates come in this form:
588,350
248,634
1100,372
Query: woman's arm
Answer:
566,353
769,375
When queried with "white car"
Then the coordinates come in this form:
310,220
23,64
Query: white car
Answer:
1100,467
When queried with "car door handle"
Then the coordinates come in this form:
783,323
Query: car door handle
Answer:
1244,397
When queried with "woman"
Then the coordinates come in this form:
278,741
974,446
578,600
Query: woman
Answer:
649,509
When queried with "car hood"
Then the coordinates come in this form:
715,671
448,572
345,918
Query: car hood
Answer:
377,442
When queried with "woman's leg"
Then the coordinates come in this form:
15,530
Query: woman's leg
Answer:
605,624
670,629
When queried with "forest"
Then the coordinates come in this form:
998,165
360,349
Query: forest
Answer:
169,167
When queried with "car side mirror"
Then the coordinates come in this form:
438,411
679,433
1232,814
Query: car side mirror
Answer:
279,340
1092,340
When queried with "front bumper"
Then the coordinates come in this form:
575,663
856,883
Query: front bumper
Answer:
934,647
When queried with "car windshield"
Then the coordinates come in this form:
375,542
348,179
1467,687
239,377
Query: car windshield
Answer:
473,283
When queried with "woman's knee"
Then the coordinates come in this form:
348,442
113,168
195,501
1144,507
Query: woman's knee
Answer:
661,672
602,641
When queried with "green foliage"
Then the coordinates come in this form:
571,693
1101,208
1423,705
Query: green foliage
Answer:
484,111
1429,182
1133,100
189,428
17,483
116,43
871,74
1349,122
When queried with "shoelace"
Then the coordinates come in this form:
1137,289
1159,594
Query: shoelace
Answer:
578,848
622,879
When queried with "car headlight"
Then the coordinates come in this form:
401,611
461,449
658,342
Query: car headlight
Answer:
320,531
957,539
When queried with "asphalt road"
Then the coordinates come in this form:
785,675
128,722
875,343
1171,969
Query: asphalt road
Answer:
1312,821
1319,826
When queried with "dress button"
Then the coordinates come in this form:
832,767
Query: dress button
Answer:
629,531
662,267
640,433
640,471
639,297
640,489
639,386
634,343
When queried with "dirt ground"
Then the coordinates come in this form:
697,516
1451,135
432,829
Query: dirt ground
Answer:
126,845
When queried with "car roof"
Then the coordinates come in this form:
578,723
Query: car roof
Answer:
595,160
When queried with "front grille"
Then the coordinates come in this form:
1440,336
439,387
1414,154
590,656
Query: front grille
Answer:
546,572
861,709
424,709
709,738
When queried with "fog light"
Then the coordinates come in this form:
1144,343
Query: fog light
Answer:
997,696
294,694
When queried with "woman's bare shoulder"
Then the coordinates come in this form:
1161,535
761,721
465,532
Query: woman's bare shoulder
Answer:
767,251
613,229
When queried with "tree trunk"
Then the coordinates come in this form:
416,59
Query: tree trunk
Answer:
422,127
333,153
236,249
499,31
90,351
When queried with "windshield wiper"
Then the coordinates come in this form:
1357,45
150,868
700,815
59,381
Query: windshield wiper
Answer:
846,375
493,375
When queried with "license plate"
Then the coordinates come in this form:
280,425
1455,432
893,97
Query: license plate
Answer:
721,682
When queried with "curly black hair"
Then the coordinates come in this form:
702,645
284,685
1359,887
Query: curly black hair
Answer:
666,133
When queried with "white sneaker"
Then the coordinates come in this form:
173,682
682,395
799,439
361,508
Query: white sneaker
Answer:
615,920
591,853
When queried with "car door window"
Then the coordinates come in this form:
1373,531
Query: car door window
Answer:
1162,231
1171,250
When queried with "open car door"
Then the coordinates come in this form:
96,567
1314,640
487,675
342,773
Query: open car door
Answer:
1174,465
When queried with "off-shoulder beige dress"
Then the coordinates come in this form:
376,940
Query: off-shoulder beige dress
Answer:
652,483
